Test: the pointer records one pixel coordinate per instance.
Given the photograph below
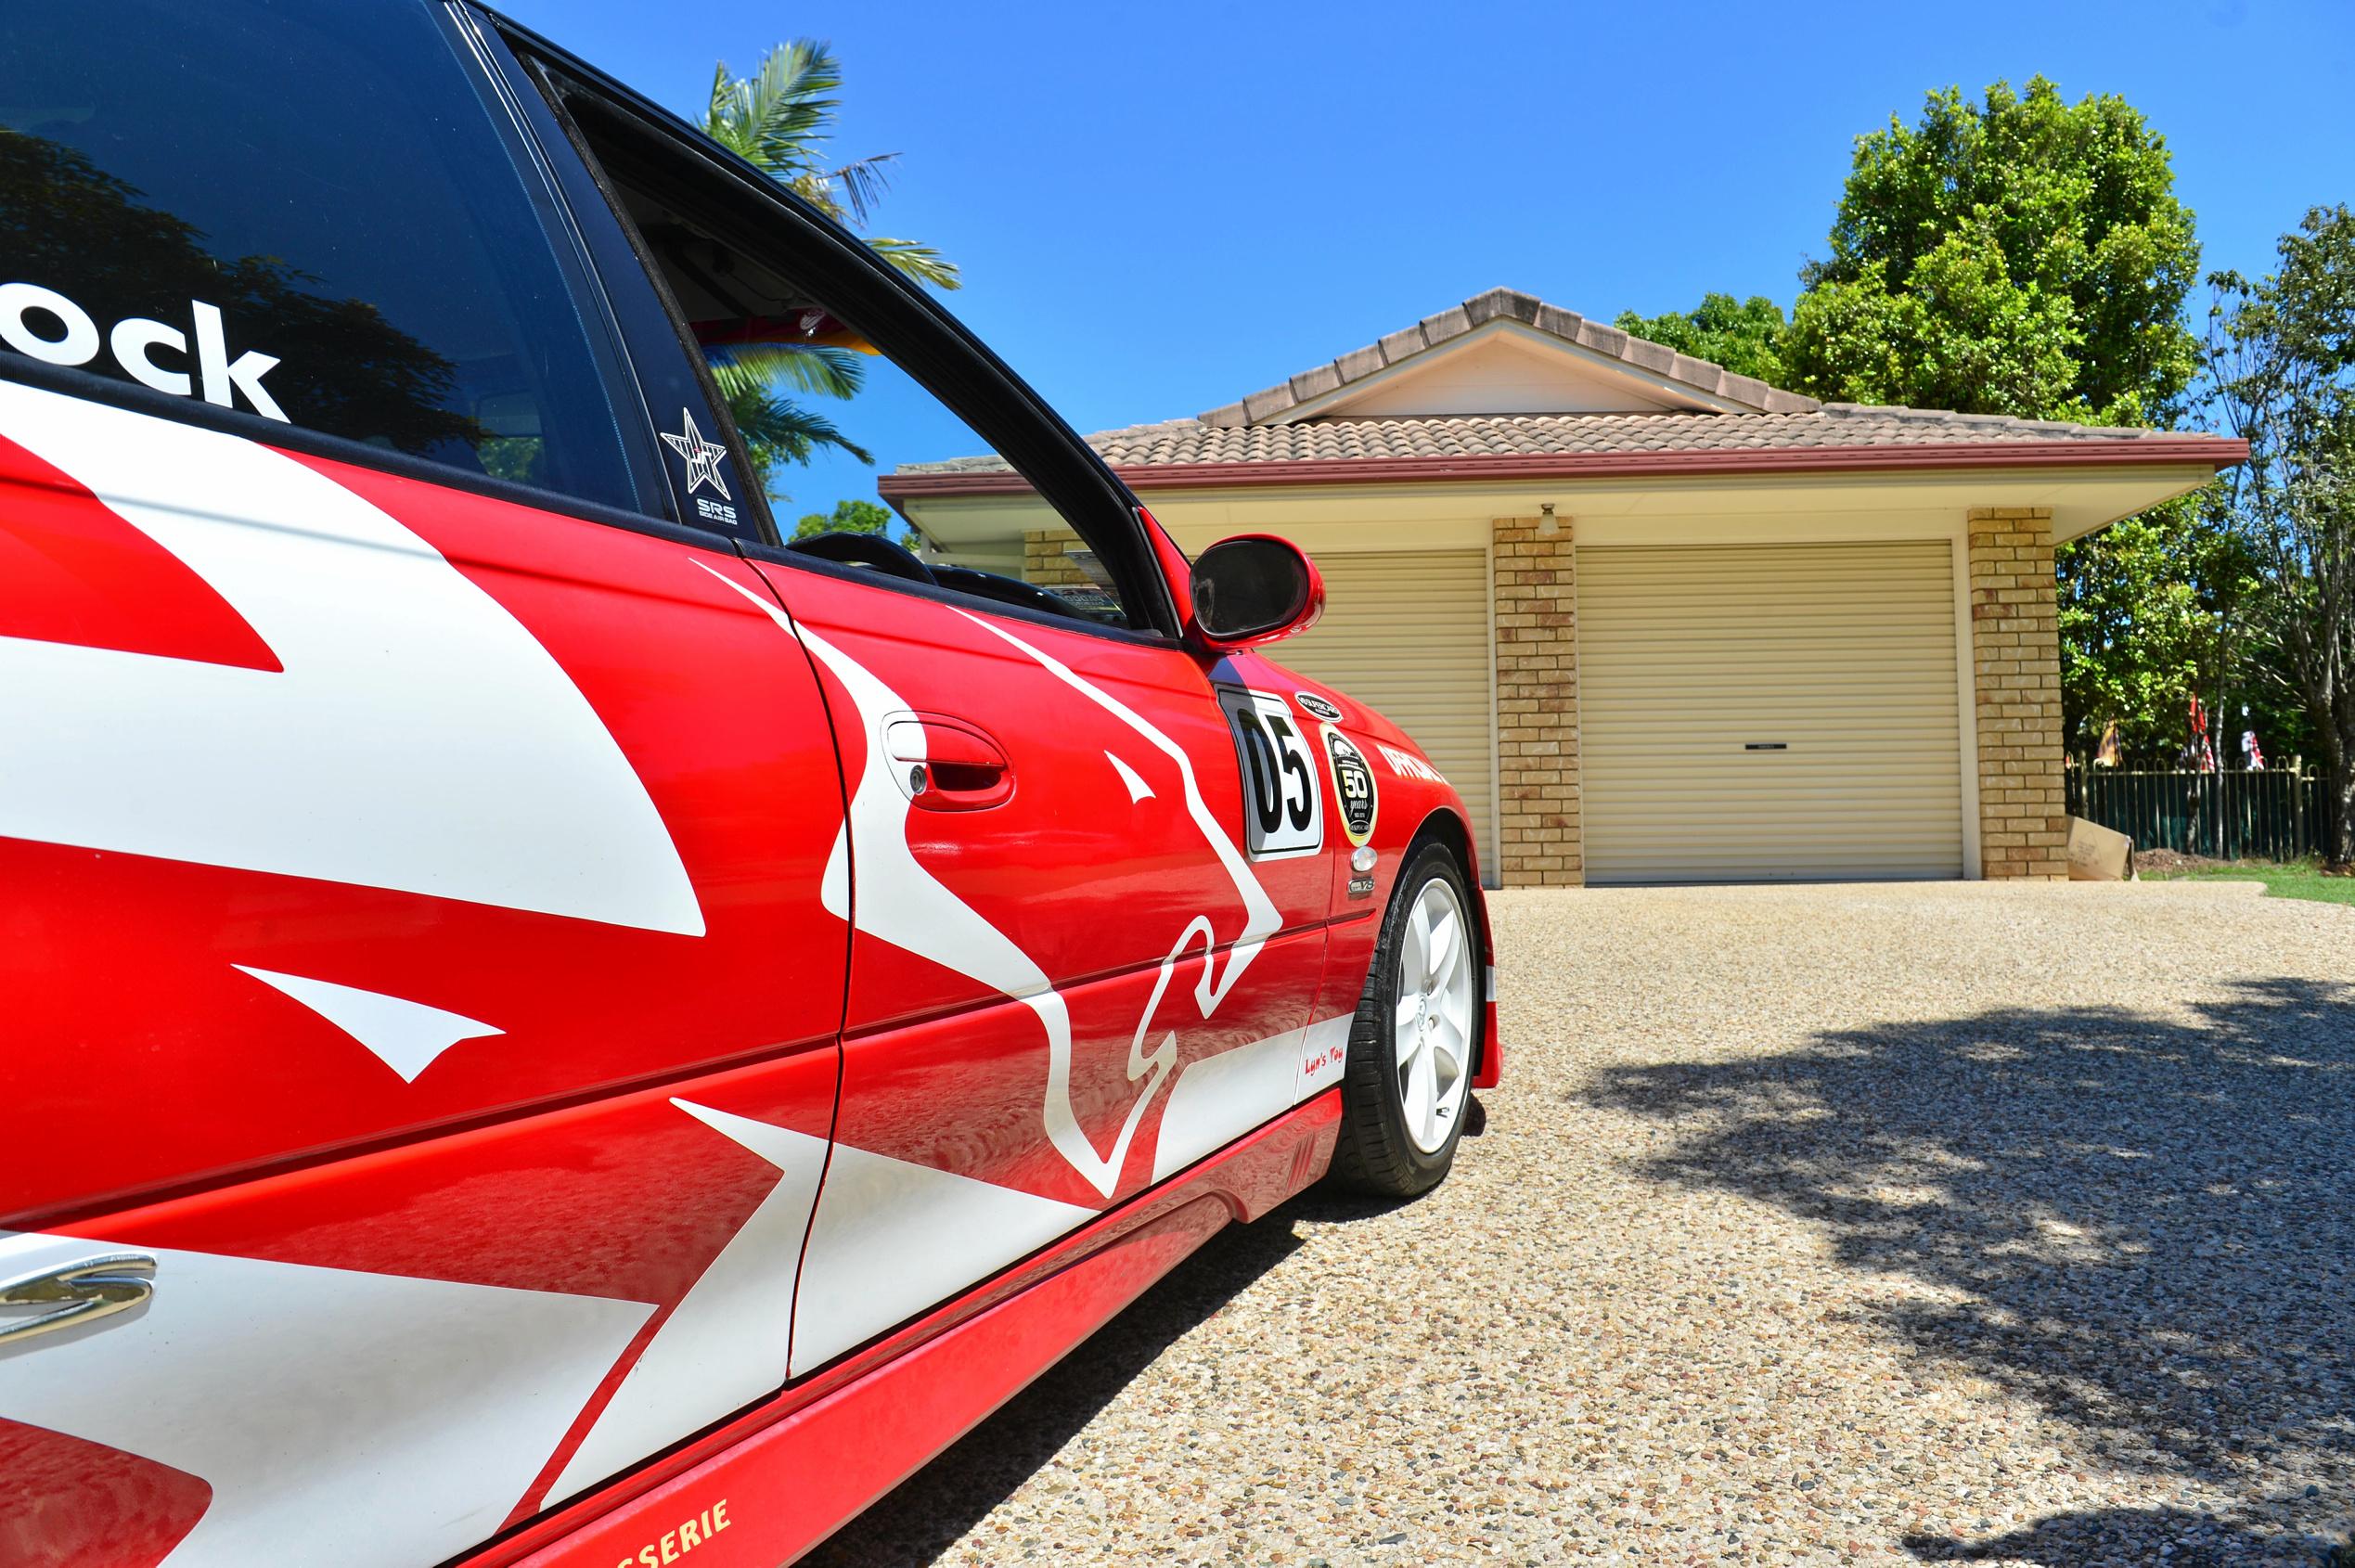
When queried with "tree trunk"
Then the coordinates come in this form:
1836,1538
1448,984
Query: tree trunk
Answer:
2341,849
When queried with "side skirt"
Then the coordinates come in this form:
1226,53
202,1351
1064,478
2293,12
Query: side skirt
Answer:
767,1486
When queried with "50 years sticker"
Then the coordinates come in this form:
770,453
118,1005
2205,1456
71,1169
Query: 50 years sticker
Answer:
1352,781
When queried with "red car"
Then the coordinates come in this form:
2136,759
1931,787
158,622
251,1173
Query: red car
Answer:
546,1023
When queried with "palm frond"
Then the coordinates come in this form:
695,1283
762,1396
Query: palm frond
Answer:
720,121
918,261
821,369
819,191
863,182
779,117
779,431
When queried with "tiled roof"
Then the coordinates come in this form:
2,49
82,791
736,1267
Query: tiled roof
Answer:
1697,376
1829,426
1266,438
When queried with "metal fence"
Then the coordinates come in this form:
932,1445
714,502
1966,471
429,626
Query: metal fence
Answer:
2275,814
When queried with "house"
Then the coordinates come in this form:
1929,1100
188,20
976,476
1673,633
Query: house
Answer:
1658,622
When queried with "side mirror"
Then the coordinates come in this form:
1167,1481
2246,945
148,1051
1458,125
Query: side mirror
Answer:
1254,588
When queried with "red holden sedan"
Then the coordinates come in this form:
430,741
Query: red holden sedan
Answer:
548,1023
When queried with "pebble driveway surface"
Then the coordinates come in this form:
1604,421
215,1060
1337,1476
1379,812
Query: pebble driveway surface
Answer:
2007,1224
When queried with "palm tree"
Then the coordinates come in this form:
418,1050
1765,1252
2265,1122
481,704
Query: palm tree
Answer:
780,119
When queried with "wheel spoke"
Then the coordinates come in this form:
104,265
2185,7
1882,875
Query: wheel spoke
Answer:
1443,949
1414,1042
1410,1009
1423,1098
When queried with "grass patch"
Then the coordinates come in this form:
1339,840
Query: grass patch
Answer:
2290,879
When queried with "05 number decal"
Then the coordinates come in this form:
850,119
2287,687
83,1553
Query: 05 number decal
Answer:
1283,804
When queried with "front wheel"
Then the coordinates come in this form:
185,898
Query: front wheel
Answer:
1409,1078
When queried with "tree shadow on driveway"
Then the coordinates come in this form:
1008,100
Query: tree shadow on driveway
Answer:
2143,1224
2123,1536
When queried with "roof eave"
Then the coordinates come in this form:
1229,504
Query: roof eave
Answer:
2214,452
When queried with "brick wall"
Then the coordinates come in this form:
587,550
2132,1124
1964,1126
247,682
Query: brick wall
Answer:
2015,657
1044,561
1538,840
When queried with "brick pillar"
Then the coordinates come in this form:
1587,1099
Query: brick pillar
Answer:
1045,563
1539,842
2015,654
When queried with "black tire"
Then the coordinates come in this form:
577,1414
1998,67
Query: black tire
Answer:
1376,1153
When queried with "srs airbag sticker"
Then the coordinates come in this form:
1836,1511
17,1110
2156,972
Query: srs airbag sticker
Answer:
1283,804
1353,782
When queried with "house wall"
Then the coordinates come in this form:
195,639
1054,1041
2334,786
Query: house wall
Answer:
2014,821
1046,560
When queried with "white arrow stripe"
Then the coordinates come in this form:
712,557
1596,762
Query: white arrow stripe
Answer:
418,737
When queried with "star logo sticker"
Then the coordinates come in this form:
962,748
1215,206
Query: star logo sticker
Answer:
703,457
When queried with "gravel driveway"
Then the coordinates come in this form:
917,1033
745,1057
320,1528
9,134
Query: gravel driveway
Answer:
1814,1225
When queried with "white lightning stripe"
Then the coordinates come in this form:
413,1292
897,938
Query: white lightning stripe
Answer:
1137,788
418,737
1261,918
406,1035
902,902
370,1420
1218,1098
893,1237
725,1344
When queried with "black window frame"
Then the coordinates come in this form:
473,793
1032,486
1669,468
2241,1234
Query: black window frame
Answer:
460,34
745,207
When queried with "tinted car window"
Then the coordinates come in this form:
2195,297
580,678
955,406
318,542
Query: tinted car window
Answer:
846,442
297,208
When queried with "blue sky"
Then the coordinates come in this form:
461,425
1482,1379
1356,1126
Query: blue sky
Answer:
1162,207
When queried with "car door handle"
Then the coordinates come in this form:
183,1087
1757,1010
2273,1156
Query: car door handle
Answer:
80,1291
948,764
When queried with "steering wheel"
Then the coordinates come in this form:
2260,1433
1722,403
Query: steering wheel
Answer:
866,550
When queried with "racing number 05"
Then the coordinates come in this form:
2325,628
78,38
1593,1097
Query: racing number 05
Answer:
1283,808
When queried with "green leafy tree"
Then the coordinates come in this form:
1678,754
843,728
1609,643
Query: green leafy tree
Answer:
2028,256
1745,336
2020,255
2153,614
850,515
2280,363
780,119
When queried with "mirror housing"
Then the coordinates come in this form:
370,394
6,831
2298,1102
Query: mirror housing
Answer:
1254,588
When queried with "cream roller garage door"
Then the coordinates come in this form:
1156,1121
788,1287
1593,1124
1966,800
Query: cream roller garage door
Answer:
1407,631
1759,712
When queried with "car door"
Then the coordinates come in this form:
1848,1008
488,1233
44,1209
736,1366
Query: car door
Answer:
1057,922
423,1007
1059,912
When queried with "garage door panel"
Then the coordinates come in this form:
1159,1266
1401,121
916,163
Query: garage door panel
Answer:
1844,654
1407,631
